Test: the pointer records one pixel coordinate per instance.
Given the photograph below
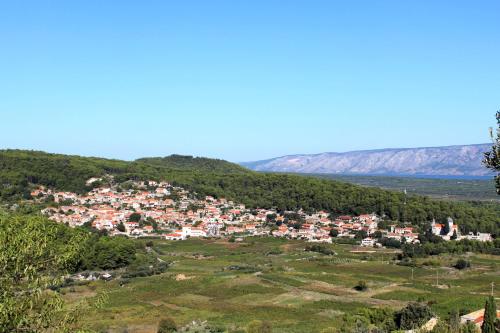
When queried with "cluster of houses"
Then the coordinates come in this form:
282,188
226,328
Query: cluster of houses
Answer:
160,209
146,208
450,230
320,228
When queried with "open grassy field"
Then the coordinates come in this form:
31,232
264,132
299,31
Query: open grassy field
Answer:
231,284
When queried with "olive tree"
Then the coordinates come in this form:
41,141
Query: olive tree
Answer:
35,254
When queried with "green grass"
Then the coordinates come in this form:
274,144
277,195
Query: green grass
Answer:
297,291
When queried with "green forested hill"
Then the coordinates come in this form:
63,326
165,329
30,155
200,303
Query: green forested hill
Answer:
194,163
20,169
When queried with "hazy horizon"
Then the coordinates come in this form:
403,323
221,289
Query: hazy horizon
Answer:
233,161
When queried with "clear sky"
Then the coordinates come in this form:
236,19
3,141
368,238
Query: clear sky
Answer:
246,80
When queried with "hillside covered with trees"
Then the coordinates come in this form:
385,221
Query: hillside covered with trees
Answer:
183,162
20,170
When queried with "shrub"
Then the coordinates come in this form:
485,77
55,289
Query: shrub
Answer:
167,325
242,268
320,249
469,327
431,263
391,243
361,286
134,217
462,264
121,227
274,252
414,315
108,253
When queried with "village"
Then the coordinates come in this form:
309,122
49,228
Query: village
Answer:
159,209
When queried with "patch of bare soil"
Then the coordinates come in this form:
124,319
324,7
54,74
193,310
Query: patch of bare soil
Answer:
243,280
330,313
287,247
182,277
327,288
78,293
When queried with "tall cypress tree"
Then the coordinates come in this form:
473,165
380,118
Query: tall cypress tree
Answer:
490,315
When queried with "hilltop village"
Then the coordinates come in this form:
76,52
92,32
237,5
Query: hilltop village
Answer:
159,209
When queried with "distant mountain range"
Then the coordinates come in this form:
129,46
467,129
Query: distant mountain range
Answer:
451,161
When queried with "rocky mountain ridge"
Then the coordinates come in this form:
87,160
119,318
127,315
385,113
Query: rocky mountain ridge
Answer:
450,161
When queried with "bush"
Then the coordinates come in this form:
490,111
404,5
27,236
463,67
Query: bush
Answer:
462,264
382,318
121,227
431,263
134,217
391,243
242,268
108,253
167,325
413,316
145,267
345,240
274,252
320,249
469,327
406,262
361,286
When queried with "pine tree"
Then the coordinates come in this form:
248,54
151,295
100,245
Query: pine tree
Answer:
490,315
121,227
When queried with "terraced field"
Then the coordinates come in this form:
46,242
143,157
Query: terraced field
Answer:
231,284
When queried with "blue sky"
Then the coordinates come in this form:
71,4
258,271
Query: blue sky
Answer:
246,80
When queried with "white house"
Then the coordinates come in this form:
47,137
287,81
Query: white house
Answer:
482,237
193,232
368,242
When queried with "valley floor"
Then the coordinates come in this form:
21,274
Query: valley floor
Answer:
439,188
231,284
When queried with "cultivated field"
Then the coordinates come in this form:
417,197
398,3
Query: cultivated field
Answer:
231,284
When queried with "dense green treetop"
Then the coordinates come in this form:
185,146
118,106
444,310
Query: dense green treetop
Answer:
34,254
194,163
